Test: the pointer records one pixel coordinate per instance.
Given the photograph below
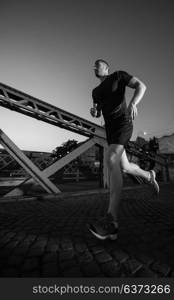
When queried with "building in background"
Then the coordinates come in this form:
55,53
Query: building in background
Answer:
166,148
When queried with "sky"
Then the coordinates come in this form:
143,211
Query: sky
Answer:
48,49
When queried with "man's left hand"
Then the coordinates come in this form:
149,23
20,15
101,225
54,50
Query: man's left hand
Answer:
132,109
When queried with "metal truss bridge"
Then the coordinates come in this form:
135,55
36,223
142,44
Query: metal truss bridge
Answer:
23,103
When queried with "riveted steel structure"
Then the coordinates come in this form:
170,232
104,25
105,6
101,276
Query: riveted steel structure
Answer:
23,103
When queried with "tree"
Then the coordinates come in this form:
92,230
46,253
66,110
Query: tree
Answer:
64,149
153,145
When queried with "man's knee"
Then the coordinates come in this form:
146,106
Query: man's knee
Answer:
114,155
129,167
125,169
113,159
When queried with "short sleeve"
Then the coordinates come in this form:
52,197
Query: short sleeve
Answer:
125,77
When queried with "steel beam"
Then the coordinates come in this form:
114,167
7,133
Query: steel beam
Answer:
60,163
27,164
23,103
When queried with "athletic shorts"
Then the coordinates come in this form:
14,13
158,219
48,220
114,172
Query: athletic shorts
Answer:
119,130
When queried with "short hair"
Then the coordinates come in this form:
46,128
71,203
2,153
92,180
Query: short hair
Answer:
101,61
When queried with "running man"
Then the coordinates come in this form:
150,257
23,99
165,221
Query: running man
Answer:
109,99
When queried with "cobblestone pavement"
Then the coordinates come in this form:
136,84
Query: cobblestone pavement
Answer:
48,236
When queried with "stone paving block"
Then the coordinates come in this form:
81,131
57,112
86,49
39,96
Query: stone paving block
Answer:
3,262
4,253
91,240
85,257
48,257
30,238
103,257
35,252
74,272
76,234
162,269
21,250
25,244
3,232
145,272
145,259
111,269
80,247
20,236
9,272
120,255
66,255
66,244
39,244
91,269
52,245
30,274
30,264
10,235
50,270
131,266
68,231
15,260
68,264
11,245
42,238
96,249
4,240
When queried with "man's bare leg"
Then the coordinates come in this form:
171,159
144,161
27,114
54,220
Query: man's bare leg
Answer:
116,181
131,168
107,226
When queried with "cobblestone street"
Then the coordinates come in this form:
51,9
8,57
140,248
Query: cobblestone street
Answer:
48,237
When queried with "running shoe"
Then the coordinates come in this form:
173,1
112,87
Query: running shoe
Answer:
104,228
153,181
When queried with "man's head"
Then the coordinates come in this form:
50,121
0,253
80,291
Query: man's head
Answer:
101,68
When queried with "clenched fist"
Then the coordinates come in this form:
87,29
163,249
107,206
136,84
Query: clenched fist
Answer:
95,113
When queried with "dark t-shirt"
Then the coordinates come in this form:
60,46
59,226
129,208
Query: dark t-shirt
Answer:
110,95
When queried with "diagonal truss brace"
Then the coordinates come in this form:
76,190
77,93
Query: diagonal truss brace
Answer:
60,163
27,164
5,160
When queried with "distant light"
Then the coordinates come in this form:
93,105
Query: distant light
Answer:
97,164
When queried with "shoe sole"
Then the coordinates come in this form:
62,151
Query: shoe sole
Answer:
112,237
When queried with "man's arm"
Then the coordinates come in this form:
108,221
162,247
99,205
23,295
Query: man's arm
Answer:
140,89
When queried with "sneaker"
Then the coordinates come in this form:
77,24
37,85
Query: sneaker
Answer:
153,181
104,228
